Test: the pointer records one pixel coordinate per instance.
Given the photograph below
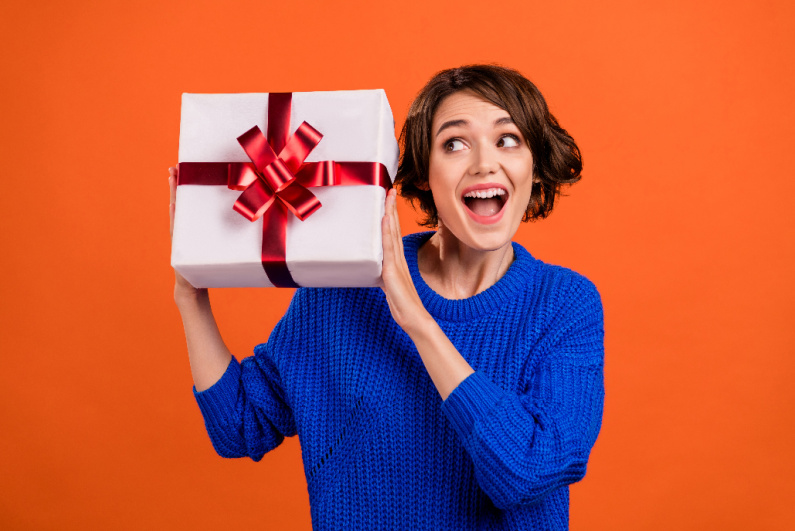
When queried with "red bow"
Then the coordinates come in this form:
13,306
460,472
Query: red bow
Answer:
272,178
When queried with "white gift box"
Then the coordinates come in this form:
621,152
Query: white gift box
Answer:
337,246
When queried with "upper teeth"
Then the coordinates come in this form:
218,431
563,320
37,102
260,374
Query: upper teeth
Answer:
484,194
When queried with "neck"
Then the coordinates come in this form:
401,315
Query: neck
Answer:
456,271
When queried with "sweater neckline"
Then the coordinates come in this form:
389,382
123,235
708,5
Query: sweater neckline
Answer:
512,283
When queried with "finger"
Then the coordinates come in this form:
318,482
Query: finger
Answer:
172,184
384,230
392,204
391,237
394,226
171,220
388,248
396,217
387,221
395,221
172,187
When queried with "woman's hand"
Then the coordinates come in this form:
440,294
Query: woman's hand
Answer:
182,288
445,365
404,302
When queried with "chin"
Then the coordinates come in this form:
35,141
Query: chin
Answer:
482,238
491,242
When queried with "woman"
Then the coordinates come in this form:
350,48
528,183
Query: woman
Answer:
468,391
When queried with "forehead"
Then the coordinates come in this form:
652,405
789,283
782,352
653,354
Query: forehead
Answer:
466,105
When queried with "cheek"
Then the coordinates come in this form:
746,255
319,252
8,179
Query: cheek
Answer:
442,182
436,174
522,176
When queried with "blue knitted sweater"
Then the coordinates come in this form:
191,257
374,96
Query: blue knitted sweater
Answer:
380,448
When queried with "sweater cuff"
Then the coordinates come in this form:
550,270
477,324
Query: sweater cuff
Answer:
217,403
470,401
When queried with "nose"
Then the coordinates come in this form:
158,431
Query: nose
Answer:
484,160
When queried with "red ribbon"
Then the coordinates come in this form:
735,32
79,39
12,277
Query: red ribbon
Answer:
276,185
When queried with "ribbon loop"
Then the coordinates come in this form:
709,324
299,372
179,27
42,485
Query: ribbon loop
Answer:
240,176
300,201
254,201
299,146
257,148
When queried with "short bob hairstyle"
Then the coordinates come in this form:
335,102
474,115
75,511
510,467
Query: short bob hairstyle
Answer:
556,158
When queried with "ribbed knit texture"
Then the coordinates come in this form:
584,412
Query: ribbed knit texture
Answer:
380,448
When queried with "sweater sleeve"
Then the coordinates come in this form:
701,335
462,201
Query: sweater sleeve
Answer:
246,412
524,445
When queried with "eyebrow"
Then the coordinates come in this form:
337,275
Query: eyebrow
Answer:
457,123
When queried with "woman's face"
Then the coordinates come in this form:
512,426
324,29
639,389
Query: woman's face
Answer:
481,171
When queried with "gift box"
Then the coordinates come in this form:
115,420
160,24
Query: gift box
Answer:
283,189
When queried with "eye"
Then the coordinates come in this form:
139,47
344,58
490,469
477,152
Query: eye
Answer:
453,144
508,141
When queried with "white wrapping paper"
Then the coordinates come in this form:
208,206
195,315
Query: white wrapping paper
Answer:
337,246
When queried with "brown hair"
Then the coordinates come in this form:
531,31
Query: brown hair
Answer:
556,158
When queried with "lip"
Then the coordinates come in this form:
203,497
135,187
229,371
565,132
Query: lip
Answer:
485,220
482,186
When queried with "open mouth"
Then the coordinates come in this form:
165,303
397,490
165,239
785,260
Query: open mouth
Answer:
484,203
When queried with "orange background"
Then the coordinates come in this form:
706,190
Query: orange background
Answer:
683,220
